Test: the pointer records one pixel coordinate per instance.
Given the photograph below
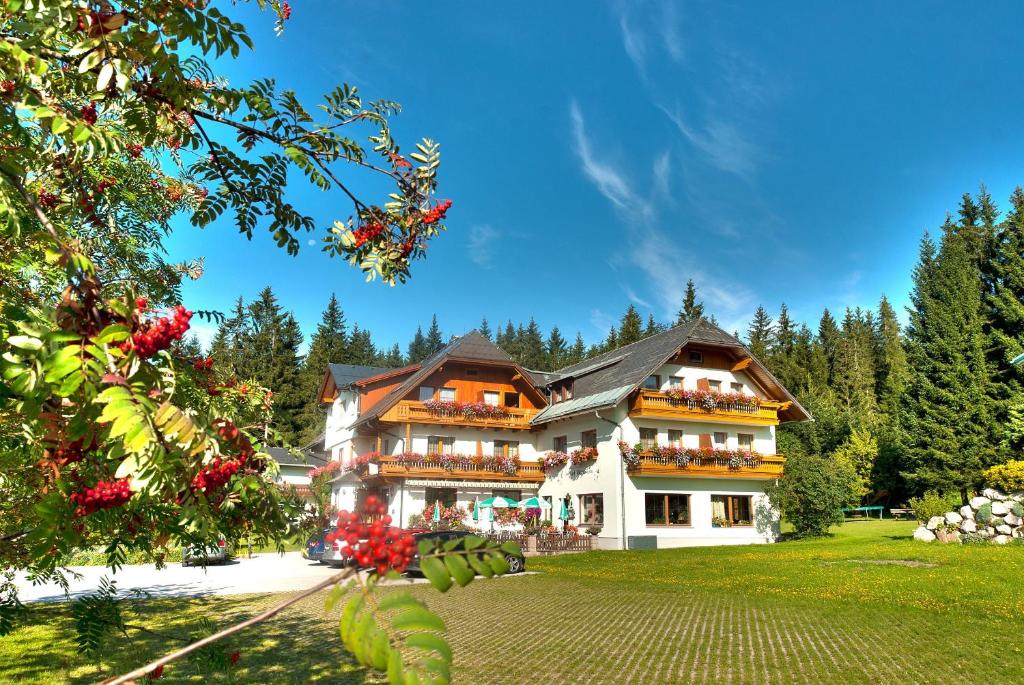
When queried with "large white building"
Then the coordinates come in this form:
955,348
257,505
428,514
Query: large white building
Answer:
669,440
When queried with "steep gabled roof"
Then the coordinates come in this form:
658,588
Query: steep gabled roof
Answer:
286,457
346,374
605,380
471,347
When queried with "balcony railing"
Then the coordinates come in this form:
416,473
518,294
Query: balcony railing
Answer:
754,466
410,411
464,470
655,404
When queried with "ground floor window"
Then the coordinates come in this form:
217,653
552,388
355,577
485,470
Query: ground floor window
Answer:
731,510
446,496
666,510
506,448
592,509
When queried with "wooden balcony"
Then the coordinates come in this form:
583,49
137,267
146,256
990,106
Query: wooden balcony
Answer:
759,467
657,405
530,472
409,411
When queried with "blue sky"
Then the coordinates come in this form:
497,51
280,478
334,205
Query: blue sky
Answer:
602,153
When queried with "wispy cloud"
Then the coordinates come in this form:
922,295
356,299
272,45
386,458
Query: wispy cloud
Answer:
662,172
601,320
635,45
636,299
482,239
671,36
720,141
603,175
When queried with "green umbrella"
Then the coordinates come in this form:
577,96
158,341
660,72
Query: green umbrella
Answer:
437,512
498,502
476,510
534,503
564,512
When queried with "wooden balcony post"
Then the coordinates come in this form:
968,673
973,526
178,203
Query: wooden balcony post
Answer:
408,437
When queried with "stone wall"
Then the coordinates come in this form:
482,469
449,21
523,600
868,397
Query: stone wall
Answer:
991,516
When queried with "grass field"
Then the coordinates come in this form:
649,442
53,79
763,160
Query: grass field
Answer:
868,605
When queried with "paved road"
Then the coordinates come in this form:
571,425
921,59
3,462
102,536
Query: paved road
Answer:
263,573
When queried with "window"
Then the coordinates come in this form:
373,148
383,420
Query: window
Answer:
560,444
491,397
426,393
446,496
447,394
666,510
652,382
567,391
731,510
696,357
737,387
716,386
720,440
648,438
746,442
676,382
675,438
591,510
440,444
385,446
506,448
588,438
511,399
556,394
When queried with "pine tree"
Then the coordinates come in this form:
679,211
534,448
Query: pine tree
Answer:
485,328
577,353
629,327
781,357
556,350
947,417
189,348
327,346
532,354
393,359
761,334
691,308
611,342
891,370
361,350
828,339
854,380
226,346
435,341
417,350
652,327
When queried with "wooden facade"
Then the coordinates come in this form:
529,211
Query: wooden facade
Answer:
409,411
393,466
757,467
471,381
658,405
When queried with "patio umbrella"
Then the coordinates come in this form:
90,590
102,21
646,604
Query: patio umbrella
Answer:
534,503
564,512
476,511
498,502
437,512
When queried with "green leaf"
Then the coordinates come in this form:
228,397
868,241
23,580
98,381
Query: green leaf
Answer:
81,133
106,73
425,547
498,564
348,619
459,569
480,566
431,642
472,542
25,342
395,670
436,573
511,548
395,600
417,618
361,635
380,650
336,593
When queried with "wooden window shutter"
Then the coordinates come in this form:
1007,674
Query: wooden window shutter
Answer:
705,441
479,448
703,384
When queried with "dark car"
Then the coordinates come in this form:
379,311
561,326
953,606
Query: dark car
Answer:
333,557
316,546
516,562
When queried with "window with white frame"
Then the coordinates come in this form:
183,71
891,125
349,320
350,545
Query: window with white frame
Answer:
745,442
648,438
588,438
426,393
737,387
716,386
560,443
720,440
652,382
492,397
591,510
506,448
675,438
447,394
440,444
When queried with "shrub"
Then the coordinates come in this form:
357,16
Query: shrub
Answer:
933,504
1018,509
1008,477
812,493
984,514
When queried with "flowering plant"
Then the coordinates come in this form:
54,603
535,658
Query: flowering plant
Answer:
510,516
552,460
368,458
683,456
327,469
629,454
583,454
469,410
710,400
451,517
450,462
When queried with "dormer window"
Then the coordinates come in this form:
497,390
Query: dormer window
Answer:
696,357
426,393
652,382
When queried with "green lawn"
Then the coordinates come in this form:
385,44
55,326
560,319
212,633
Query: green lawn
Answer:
866,606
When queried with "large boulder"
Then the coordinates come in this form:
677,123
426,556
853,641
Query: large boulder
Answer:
969,526
1000,509
993,494
923,534
979,502
1012,519
1004,530
935,522
966,511
1001,539
944,535
953,518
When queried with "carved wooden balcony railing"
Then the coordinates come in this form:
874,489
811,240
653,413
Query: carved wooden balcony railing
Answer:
655,404
530,472
756,466
410,411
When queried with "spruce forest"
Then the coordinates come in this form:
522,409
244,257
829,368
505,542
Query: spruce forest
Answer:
926,406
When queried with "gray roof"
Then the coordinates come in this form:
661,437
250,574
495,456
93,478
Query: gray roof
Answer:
605,380
346,374
472,346
285,457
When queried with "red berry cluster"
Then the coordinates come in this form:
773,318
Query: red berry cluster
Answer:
105,183
235,656
286,11
203,364
367,233
134,150
215,474
6,87
219,471
89,113
48,200
103,495
377,545
156,335
437,213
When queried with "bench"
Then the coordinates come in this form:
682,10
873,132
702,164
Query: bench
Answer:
865,510
902,513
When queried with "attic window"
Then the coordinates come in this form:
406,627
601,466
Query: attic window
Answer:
696,357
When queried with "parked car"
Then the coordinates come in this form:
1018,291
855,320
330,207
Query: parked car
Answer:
516,563
315,547
206,554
